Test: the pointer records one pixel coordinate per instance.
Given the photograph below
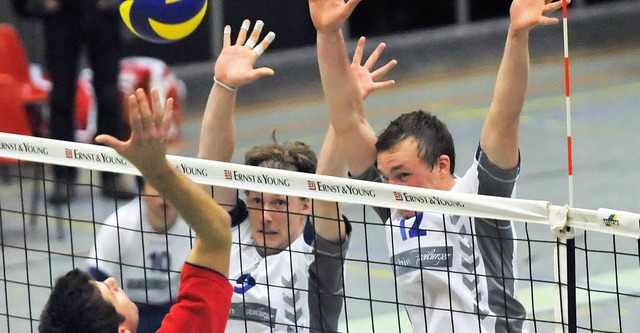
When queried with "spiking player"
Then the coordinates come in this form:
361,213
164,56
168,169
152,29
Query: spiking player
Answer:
144,244
80,304
455,273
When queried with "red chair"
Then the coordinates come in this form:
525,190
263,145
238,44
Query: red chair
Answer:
13,117
14,61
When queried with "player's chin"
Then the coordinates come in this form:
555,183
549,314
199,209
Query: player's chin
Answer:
407,214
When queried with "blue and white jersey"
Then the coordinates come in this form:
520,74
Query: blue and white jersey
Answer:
281,292
146,263
449,269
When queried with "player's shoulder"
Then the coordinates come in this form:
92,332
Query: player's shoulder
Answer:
127,215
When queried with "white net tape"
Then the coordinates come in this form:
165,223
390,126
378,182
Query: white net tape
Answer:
558,217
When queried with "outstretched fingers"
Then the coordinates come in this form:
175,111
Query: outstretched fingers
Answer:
382,71
260,48
255,34
357,54
242,35
552,7
375,55
226,37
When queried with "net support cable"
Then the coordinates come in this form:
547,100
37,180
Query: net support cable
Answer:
557,217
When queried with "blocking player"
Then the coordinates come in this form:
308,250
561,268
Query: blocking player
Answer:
470,286
287,255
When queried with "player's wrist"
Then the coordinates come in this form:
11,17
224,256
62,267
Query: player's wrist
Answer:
224,85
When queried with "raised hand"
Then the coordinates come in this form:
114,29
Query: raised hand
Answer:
368,79
149,127
329,15
526,14
234,66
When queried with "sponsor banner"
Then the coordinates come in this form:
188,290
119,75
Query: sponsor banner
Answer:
317,186
424,257
254,312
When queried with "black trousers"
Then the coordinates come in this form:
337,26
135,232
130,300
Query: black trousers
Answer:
66,33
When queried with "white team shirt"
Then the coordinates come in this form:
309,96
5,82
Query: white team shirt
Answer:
264,286
447,278
442,277
122,251
279,292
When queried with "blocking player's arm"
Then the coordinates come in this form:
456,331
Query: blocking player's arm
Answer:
148,145
327,215
342,93
500,133
233,69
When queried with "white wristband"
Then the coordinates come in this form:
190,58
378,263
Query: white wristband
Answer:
226,87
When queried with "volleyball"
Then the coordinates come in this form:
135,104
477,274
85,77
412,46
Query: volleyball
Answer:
162,21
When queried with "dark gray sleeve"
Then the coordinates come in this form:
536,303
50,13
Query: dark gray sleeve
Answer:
497,245
326,282
372,174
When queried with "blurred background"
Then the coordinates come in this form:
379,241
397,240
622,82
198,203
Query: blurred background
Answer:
448,53
427,37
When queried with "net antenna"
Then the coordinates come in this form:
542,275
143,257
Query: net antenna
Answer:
564,250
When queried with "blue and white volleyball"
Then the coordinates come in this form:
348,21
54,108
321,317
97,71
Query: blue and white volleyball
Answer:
163,21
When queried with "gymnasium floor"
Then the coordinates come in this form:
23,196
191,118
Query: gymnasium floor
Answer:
605,100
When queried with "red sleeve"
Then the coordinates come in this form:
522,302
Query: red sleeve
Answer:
204,302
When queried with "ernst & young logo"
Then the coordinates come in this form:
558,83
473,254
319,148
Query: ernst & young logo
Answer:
191,171
93,157
404,196
24,147
342,189
256,178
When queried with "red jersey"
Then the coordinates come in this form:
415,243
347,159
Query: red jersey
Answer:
204,302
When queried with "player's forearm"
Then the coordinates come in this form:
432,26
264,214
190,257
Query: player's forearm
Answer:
327,215
217,136
344,102
210,222
500,133
340,86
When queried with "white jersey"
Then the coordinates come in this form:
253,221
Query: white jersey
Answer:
123,250
279,292
449,268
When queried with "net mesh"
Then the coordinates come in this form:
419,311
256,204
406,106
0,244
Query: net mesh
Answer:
41,242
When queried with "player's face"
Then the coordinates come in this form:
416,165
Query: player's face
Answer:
401,165
162,215
276,220
124,306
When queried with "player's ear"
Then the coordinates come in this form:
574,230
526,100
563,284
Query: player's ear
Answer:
306,206
444,165
123,329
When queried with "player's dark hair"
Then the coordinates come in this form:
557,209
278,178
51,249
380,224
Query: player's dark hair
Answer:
77,306
431,134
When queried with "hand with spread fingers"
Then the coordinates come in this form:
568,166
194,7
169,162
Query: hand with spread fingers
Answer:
527,14
329,15
234,66
366,76
149,127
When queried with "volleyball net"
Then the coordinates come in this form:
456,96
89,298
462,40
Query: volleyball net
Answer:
41,242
